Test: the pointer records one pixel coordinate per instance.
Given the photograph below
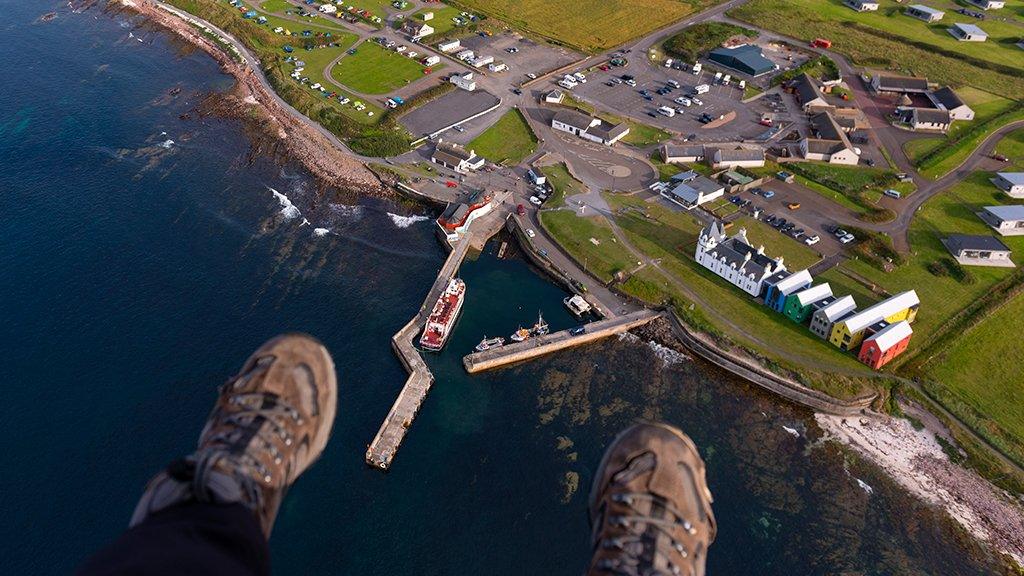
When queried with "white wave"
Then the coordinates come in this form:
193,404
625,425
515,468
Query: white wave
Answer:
288,210
318,232
166,143
864,485
406,221
792,431
667,355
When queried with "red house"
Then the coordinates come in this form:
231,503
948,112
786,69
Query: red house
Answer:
886,344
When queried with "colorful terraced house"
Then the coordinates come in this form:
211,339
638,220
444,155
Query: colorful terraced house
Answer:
775,296
799,305
825,315
847,334
882,346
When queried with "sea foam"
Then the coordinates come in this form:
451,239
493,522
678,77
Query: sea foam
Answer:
406,221
288,210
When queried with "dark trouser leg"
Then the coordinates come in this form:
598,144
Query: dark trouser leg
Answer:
194,538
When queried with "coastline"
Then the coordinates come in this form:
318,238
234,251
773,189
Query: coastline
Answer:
251,101
913,458
917,462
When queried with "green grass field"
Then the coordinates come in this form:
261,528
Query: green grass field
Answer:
508,141
883,40
953,211
442,22
564,184
985,368
588,25
276,6
374,69
574,233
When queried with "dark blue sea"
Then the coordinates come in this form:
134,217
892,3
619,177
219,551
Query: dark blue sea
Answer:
144,255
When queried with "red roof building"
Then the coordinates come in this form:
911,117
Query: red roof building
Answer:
881,347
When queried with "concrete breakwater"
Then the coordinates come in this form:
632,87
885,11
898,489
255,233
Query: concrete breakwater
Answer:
541,345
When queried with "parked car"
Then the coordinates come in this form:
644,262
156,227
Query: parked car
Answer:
631,82
530,232
893,193
839,232
793,205
768,194
535,201
531,76
521,210
577,330
451,184
812,240
696,101
683,101
460,129
847,239
1000,158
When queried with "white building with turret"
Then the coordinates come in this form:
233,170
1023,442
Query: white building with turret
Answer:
734,259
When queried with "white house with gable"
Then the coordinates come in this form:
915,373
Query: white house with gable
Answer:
734,259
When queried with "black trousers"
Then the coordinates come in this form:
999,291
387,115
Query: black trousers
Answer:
192,538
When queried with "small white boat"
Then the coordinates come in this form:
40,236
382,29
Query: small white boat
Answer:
488,343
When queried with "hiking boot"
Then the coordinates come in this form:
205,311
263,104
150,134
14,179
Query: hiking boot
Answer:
650,507
269,424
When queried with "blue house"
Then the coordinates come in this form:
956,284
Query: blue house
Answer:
775,298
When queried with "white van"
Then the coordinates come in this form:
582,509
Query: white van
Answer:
725,81
697,68
718,77
743,84
683,101
701,89
566,84
666,111
668,63
893,193
580,77
673,83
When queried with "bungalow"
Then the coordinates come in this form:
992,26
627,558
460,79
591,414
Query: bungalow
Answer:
735,157
449,46
988,4
968,33
745,58
848,333
734,259
554,97
882,346
862,5
588,127
682,154
824,318
693,192
946,99
417,31
775,298
455,157
886,84
922,12
798,306
970,250
930,119
830,142
464,81
808,94
1007,220
1010,182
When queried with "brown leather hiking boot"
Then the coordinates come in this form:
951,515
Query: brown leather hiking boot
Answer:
650,507
270,423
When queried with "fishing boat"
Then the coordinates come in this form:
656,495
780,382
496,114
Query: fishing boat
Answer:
488,343
577,305
541,327
520,335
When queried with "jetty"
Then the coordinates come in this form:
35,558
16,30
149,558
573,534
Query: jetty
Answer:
382,449
541,345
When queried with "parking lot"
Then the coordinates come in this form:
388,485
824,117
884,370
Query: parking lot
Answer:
529,56
629,100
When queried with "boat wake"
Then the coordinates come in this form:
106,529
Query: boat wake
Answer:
406,221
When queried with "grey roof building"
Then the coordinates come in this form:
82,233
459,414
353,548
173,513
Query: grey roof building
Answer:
899,84
1007,220
971,250
746,59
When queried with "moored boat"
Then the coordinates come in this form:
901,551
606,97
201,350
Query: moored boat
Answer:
488,343
520,335
541,327
442,318
577,305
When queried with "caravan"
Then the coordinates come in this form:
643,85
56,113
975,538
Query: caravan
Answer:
666,111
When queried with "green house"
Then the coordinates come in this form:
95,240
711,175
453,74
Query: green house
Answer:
799,305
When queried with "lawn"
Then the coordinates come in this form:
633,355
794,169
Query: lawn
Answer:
889,40
376,7
442,22
641,135
670,235
588,25
276,6
563,183
374,69
574,234
985,367
952,211
508,141
316,60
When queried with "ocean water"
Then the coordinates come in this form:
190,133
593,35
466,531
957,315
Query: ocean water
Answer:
146,252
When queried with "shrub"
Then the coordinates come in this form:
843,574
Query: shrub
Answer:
697,40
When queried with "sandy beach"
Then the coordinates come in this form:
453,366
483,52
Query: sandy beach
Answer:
916,461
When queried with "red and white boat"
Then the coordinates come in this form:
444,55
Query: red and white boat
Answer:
442,318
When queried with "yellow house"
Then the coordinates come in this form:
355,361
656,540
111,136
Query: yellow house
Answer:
849,333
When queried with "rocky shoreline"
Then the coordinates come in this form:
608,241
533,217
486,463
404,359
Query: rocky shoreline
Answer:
281,128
